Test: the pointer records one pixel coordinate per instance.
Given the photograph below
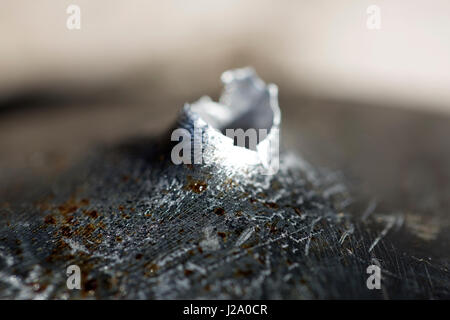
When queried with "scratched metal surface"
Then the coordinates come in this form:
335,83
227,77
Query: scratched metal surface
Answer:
140,227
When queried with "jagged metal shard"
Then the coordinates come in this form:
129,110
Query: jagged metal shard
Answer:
246,104
139,226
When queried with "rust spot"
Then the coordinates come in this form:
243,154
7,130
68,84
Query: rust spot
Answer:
93,214
69,220
139,256
272,205
246,246
99,238
67,207
188,272
84,202
88,229
119,239
151,269
223,235
38,287
219,211
65,231
196,186
297,210
58,252
49,219
273,228
90,285
243,273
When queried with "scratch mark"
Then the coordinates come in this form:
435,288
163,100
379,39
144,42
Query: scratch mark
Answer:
310,235
347,232
246,234
370,209
391,221
428,276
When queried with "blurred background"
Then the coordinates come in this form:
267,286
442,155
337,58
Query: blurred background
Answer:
373,104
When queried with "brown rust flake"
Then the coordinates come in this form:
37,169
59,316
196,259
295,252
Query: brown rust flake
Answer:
71,205
92,213
197,186
272,205
151,269
49,219
219,211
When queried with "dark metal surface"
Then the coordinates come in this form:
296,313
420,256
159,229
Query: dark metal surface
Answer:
140,227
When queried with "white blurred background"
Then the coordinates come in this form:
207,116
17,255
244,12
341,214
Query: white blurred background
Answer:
322,48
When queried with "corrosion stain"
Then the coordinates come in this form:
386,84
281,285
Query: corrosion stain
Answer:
58,252
272,205
90,285
151,269
297,210
223,235
93,214
219,211
69,220
243,273
84,202
65,231
68,207
49,219
197,186
86,230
